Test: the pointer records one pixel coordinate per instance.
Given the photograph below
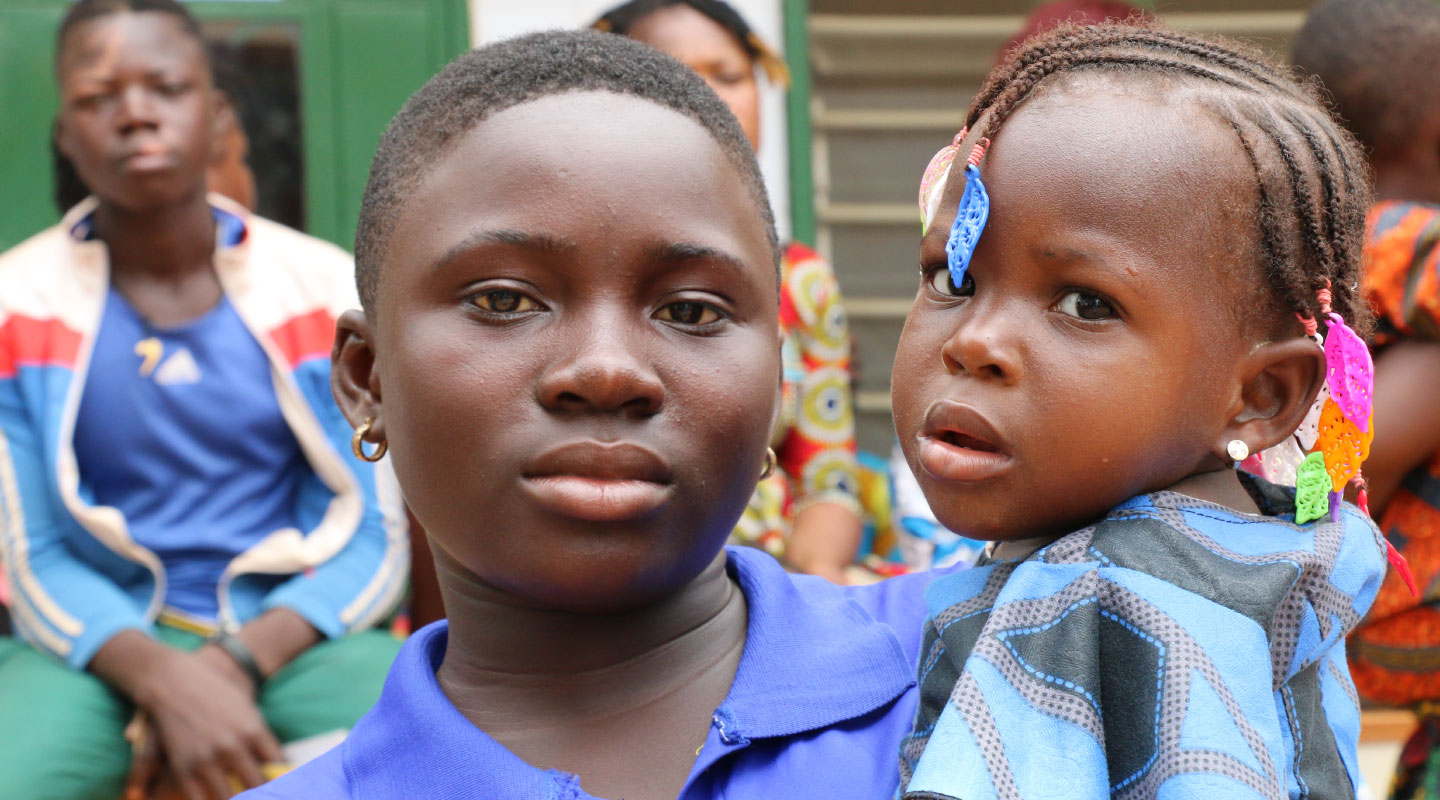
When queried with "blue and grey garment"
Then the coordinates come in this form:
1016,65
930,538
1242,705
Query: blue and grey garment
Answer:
1175,649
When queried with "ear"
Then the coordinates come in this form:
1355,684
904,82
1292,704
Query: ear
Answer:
777,408
354,377
1279,384
223,120
61,134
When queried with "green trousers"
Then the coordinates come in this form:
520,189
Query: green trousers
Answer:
62,731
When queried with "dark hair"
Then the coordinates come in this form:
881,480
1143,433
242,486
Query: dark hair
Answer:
86,10
1312,184
623,17
491,79
1379,60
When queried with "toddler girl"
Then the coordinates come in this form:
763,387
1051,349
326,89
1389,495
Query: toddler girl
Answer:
1171,227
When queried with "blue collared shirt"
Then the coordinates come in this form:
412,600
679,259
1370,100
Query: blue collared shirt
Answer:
823,695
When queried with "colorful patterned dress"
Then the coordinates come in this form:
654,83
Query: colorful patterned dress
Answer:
815,438
1174,649
1395,655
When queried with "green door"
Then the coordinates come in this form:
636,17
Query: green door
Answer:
318,81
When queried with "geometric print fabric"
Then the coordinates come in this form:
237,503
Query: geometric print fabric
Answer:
1176,648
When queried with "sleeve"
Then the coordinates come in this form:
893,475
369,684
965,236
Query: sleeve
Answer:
1402,269
362,583
1394,653
59,603
818,451
1088,680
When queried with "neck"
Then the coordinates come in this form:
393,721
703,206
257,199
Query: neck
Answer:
1219,486
1408,181
507,665
166,243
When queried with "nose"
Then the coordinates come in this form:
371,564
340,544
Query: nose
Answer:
606,371
986,344
136,109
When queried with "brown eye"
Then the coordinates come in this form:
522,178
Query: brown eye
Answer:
689,312
504,301
942,282
1085,305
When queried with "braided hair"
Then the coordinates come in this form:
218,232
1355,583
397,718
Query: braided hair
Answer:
1312,181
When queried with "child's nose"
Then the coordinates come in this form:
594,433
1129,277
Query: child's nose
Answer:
604,372
985,345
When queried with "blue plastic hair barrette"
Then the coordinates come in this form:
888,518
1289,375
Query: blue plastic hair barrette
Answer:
970,219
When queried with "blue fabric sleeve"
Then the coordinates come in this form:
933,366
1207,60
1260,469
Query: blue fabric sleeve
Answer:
60,604
363,582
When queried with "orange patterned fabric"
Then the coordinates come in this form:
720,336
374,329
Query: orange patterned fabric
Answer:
1395,655
815,440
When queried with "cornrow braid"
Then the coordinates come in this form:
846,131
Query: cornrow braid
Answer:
1312,184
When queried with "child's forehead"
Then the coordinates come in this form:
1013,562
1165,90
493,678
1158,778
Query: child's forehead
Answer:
1115,155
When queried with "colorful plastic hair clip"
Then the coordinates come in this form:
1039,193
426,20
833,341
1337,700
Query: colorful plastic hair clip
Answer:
970,219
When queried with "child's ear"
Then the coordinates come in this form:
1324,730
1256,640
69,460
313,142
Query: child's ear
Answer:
1280,382
354,379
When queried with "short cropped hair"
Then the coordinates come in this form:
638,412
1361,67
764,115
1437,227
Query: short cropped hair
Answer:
491,79
86,10
1380,62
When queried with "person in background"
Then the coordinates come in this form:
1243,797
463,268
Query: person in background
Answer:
186,530
1047,16
1380,62
806,513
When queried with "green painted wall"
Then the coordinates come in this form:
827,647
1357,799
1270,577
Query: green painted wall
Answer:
359,60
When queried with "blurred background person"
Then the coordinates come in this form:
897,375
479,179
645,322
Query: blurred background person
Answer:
1380,61
806,513
188,531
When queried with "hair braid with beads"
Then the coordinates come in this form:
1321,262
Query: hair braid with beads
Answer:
1313,188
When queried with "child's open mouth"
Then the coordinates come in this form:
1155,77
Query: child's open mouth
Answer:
967,442
957,443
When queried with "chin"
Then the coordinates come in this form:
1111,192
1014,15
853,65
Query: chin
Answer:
605,579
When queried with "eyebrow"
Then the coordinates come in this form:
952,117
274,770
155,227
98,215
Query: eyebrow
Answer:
545,243
677,252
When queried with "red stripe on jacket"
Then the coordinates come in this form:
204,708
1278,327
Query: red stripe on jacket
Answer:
305,337
31,342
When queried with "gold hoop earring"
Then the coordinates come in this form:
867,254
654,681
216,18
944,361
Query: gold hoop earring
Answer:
770,462
357,443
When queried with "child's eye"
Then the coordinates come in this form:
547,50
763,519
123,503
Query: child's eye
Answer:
1085,305
942,282
689,312
504,301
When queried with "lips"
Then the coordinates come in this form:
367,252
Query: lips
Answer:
147,158
957,443
598,481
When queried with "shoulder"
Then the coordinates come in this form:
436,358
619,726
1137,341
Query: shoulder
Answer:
1402,240
292,273
311,251
322,778
36,260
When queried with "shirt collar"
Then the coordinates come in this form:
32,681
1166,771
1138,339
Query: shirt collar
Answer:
813,658
230,227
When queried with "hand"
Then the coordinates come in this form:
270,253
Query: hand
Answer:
199,707
203,709
823,541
